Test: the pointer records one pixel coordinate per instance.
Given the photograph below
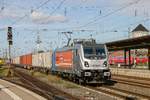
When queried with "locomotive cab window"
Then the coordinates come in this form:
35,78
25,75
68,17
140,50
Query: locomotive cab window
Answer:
94,52
101,52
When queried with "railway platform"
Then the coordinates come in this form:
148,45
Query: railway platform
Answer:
141,73
9,91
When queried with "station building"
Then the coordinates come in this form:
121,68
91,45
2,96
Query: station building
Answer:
138,56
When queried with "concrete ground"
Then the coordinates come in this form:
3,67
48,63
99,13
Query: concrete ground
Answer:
143,73
9,91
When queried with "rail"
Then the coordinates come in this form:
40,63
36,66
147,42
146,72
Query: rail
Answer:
41,88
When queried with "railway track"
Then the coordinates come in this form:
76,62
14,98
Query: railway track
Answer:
120,93
134,81
125,93
107,92
132,77
41,88
128,94
52,93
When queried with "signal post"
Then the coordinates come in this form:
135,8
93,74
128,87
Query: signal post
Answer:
9,39
10,42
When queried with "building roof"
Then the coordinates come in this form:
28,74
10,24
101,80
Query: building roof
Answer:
132,43
140,27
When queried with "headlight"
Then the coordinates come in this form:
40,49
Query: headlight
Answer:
105,64
86,64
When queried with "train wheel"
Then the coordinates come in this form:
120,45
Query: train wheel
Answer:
47,72
82,82
76,80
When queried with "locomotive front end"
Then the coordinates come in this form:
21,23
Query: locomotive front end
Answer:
95,66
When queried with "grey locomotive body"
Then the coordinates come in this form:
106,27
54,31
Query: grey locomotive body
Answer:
89,62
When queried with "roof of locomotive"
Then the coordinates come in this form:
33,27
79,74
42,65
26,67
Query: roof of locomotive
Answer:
78,42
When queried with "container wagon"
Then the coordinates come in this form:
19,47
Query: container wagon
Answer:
83,61
26,61
42,61
16,61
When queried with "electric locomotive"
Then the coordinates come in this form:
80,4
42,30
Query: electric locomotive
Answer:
83,61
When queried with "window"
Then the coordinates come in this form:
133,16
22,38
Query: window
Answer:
76,52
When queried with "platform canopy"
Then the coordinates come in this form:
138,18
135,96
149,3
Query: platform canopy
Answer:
131,43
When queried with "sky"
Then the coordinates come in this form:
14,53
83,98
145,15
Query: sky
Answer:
104,20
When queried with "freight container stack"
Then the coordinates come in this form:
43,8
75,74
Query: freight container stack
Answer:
16,60
42,61
26,61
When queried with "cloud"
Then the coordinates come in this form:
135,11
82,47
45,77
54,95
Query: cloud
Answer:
42,18
11,13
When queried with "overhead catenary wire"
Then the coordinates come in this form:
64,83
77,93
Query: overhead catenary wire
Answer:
58,7
95,19
141,21
100,17
128,31
44,3
111,13
131,24
27,13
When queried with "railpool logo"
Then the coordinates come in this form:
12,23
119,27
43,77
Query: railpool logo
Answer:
61,59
